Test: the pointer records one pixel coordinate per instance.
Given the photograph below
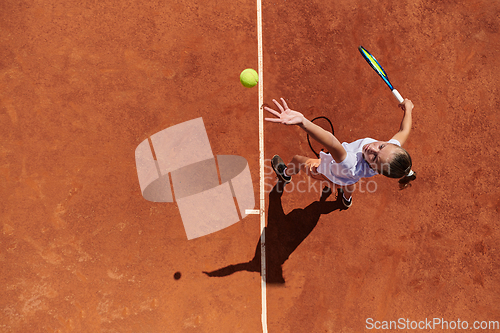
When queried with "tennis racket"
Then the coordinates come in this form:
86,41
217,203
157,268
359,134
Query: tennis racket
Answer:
370,59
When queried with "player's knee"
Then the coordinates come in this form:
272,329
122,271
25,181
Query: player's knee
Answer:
298,162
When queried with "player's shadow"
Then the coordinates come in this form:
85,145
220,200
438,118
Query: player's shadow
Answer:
283,234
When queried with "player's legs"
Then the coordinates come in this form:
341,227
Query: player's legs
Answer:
346,194
309,165
296,165
348,190
302,163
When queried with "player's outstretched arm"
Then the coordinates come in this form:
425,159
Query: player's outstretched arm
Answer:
405,128
289,117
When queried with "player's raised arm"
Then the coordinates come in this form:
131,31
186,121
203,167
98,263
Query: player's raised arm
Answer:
405,128
289,117
285,115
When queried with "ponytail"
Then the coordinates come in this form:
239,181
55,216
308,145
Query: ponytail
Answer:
406,180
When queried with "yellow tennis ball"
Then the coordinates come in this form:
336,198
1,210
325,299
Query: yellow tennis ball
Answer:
249,78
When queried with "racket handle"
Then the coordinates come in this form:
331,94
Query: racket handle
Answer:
398,95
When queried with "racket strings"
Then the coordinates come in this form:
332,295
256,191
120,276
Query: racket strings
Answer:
370,59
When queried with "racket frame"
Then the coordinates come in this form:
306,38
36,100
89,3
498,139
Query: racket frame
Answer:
373,62
308,138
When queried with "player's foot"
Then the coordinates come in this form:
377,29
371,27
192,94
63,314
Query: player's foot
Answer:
279,167
347,203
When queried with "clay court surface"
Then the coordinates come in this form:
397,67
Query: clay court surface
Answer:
82,83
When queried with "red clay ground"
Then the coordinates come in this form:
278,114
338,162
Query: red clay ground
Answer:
83,83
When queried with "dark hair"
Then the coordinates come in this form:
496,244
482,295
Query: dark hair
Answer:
400,167
405,181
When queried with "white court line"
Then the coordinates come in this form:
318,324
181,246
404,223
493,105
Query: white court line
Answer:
261,163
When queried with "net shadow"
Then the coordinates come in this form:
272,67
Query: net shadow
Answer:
283,234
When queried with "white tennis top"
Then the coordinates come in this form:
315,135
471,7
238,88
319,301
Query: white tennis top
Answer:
353,167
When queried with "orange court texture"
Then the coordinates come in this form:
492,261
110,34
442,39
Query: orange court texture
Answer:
82,83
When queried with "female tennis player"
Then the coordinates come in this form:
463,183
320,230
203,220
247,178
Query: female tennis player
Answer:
346,163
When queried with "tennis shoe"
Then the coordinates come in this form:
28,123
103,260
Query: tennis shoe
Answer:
279,168
347,203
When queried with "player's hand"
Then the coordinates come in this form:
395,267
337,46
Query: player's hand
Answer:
312,164
285,115
407,105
